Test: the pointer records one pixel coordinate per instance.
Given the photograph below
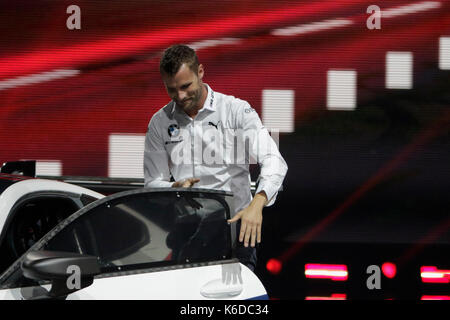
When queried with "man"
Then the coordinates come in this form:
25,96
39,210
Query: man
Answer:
195,122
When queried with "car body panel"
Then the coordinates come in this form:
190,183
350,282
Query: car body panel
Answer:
180,284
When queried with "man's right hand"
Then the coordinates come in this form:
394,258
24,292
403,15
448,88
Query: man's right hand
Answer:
185,183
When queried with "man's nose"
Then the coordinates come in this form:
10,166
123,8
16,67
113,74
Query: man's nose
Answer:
181,95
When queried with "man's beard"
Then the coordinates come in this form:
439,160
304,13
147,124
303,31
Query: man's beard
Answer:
192,104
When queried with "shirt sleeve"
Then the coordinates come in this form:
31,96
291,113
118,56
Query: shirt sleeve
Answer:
156,159
264,151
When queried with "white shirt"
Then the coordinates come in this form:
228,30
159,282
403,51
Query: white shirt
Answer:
210,147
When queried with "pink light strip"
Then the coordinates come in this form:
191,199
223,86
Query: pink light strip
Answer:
431,274
335,272
334,296
435,298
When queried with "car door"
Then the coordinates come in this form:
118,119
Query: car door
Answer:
151,244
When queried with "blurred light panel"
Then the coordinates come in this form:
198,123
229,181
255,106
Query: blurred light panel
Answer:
399,70
444,53
126,152
410,9
389,269
431,274
341,90
311,27
213,43
435,297
274,266
335,272
334,296
37,78
278,110
48,168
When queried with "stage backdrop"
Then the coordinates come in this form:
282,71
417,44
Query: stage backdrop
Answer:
358,90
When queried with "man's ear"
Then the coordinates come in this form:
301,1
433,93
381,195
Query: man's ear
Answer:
200,72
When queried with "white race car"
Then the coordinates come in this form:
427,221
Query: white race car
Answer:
63,241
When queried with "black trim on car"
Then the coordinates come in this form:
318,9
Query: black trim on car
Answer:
146,268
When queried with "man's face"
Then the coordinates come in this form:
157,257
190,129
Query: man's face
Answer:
185,87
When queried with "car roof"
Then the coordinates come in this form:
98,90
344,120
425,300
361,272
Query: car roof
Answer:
7,180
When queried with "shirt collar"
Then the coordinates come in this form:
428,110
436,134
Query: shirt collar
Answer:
209,102
210,99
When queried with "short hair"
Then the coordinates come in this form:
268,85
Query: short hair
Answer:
174,56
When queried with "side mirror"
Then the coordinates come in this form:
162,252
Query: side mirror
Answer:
68,272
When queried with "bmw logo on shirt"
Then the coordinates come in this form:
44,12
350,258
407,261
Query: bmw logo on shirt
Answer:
173,130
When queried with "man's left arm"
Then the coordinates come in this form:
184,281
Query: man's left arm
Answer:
273,170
